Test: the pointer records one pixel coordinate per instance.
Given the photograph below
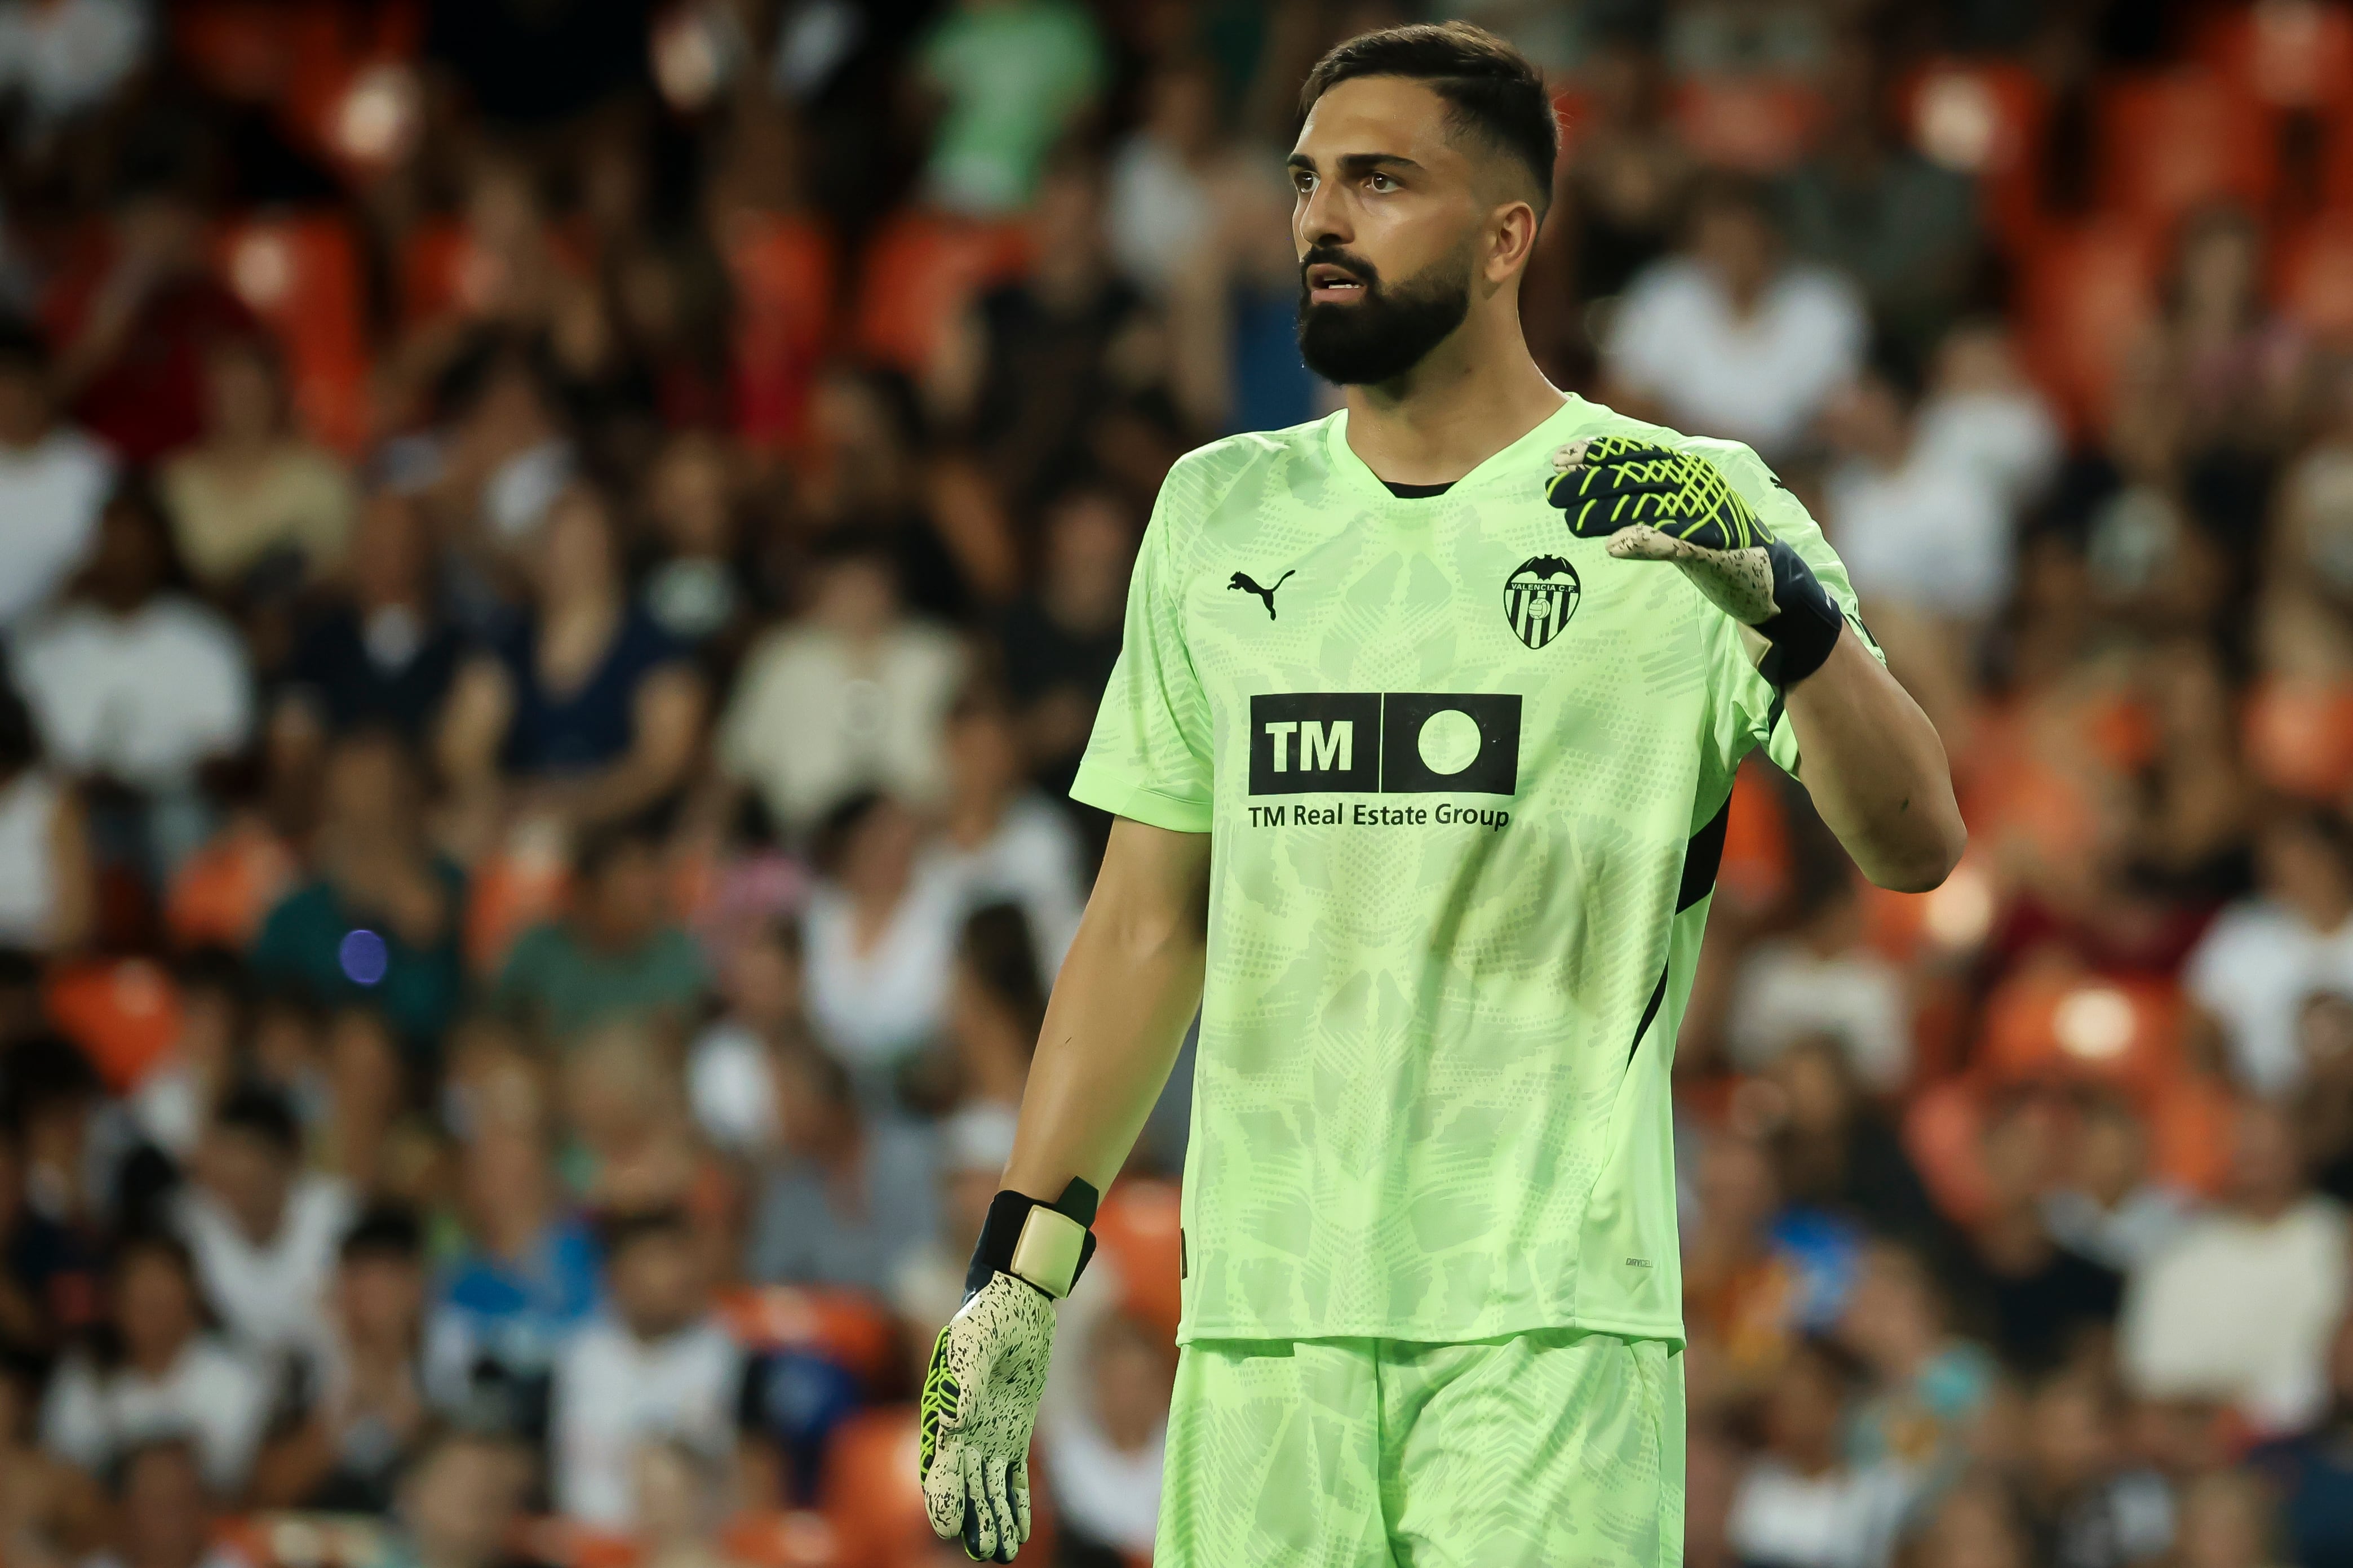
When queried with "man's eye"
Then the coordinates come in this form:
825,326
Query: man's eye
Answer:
1381,182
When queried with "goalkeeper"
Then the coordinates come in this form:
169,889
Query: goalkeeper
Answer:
1420,744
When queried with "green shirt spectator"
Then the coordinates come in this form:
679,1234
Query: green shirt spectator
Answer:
617,955
1012,76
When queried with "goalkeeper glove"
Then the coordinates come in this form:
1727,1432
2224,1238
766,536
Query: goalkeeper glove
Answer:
1656,503
988,1369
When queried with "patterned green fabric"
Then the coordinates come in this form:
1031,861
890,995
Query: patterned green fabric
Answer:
1553,1450
979,1407
1451,762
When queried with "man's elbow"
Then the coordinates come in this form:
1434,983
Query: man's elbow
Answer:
1920,864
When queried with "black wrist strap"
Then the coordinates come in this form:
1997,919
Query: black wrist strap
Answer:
1002,1240
1808,625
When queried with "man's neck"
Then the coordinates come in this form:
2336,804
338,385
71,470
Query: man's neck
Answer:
1472,396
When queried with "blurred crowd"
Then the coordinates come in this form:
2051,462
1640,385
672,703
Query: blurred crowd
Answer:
556,557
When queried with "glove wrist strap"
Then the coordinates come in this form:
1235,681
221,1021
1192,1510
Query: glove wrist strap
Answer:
1807,624
1046,1245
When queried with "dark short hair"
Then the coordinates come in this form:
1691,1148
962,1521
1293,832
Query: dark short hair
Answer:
23,350
1491,89
621,1229
386,1232
261,1113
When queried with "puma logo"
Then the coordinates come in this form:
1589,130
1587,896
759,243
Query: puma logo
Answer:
1243,580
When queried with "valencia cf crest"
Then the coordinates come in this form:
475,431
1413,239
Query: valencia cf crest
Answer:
1540,597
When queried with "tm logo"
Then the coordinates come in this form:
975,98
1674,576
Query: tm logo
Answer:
1394,742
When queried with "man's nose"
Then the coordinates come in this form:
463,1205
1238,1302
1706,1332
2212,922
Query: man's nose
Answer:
1323,219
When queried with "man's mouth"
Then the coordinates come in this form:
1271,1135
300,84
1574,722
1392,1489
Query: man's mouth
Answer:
1328,284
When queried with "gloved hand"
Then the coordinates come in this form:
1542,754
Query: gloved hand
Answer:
980,1403
988,1369
1656,503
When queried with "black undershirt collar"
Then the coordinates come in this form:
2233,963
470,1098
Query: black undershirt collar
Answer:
1416,492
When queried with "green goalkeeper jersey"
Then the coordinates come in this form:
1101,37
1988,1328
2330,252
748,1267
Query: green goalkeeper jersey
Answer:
1466,778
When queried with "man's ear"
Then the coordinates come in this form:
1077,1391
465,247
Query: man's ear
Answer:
1512,238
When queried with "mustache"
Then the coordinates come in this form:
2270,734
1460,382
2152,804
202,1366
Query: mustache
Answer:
1356,267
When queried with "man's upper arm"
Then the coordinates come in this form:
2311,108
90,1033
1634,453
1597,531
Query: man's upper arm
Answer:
1149,758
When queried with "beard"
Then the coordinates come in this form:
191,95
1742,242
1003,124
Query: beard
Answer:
1389,330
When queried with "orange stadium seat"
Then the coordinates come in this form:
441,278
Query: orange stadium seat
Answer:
1138,1228
2044,1024
518,885
921,271
2285,54
2313,276
2172,141
124,1013
783,271
1985,117
303,276
795,1538
1755,870
2299,737
2086,293
1759,124
222,892
847,1328
870,1491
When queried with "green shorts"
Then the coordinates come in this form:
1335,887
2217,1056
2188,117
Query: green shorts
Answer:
1553,1450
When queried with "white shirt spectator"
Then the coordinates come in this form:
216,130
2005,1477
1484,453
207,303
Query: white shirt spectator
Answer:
731,1088
1847,1519
2253,970
1760,380
873,1008
1159,213
1929,533
2009,441
2241,1309
814,720
272,1297
1788,990
613,1391
145,696
51,494
1112,1497
1032,860
211,1395
29,804
2124,1238
67,54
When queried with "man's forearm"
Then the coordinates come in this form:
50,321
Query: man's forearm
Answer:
1876,770
1129,987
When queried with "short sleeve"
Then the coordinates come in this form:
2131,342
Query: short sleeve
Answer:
1751,714
1150,756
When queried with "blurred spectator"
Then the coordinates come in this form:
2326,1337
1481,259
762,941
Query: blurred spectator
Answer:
632,1142
2311,1474
1165,178
658,1367
2043,1303
851,696
502,454
378,922
2324,1106
2108,1206
997,1004
2303,622
253,496
616,954
460,1500
53,481
1834,1150
1036,361
263,1231
1741,1293
1983,415
1059,642
680,1502
2085,1503
1927,1385
589,705
696,591
730,1076
506,1304
133,365
2241,1306
365,1399
1104,1455
881,927
927,1284
48,1509
1823,979
54,1102
867,480
1002,839
1902,228
1628,170
2219,370
1803,1504
1730,339
164,1512
2263,956
132,680
2228,1521
49,1268
379,651
68,56
156,1374
1974,1524
1007,77
47,888
850,1194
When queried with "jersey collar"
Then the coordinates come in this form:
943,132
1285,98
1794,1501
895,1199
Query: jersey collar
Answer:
1523,460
